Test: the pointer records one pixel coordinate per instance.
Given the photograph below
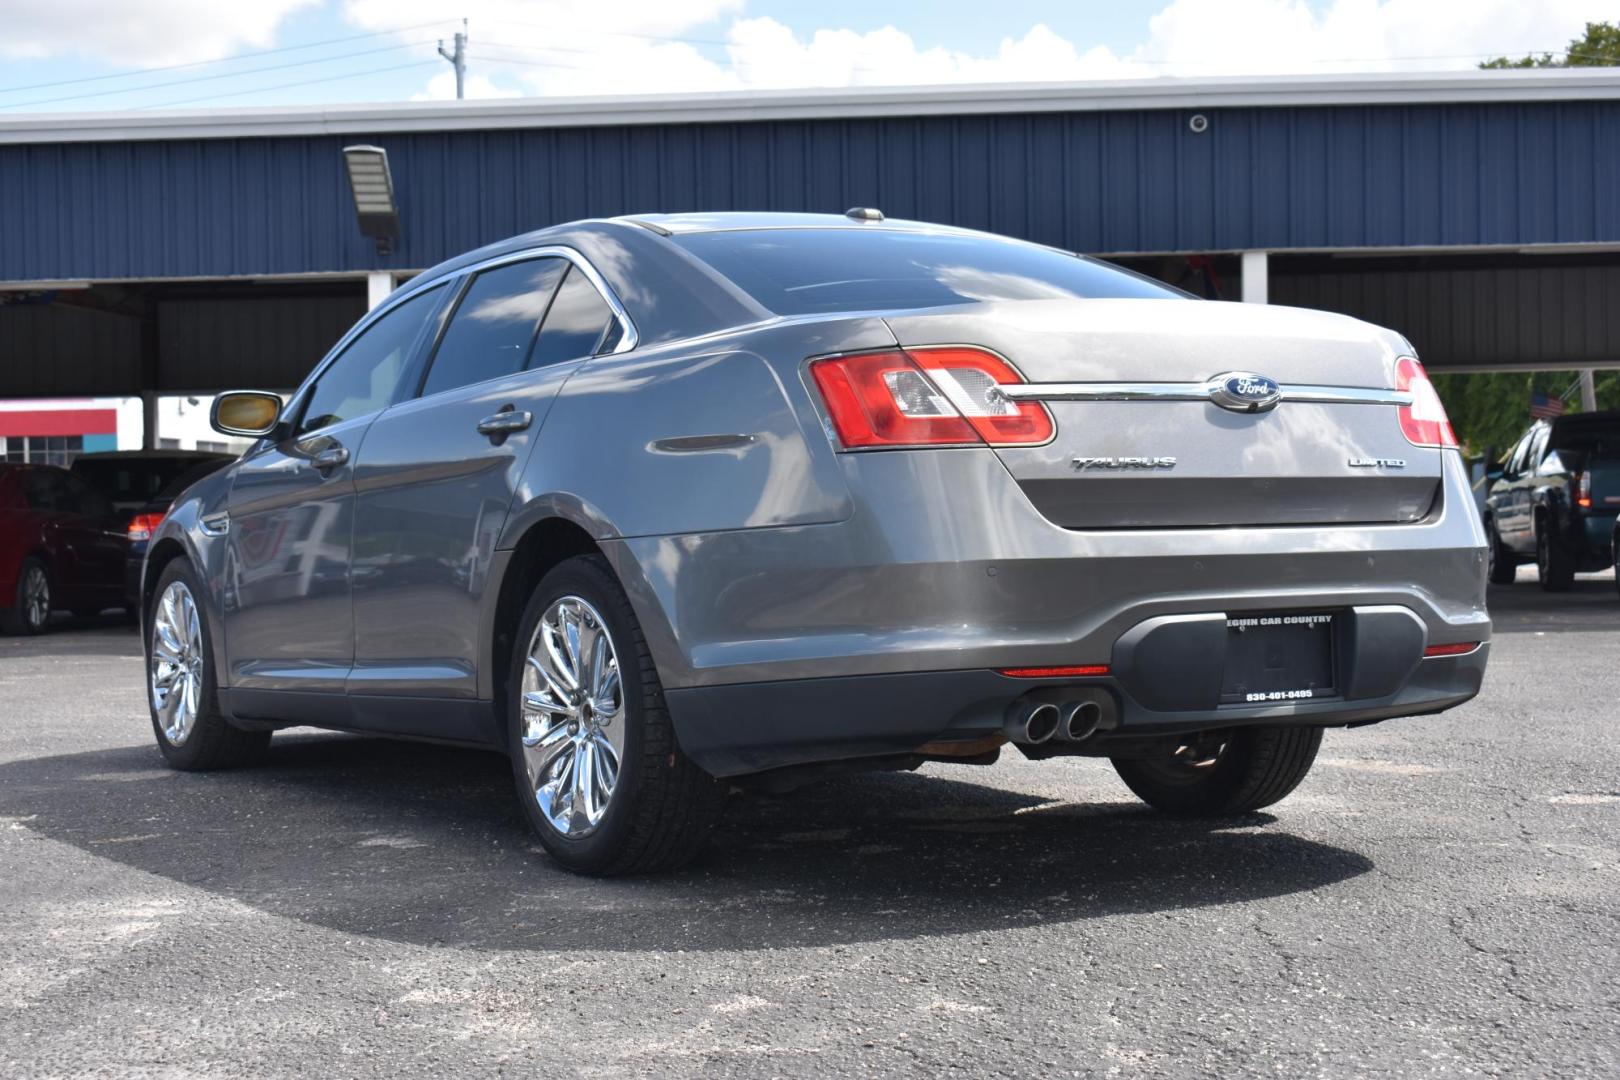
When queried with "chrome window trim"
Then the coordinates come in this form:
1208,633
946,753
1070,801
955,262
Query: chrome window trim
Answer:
1192,391
457,279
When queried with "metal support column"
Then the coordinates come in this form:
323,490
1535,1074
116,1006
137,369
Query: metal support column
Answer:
1253,274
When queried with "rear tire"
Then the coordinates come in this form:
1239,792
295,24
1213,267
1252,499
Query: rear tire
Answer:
1504,565
1554,563
1254,767
599,774
181,691
30,609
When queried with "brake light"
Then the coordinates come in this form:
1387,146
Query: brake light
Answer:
1583,489
926,397
1424,422
142,526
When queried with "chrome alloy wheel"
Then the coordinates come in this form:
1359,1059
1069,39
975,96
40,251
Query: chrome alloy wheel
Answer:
572,716
36,594
177,662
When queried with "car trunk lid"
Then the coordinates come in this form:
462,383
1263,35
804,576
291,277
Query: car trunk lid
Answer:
1140,442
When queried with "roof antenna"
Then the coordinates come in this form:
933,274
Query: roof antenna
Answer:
864,213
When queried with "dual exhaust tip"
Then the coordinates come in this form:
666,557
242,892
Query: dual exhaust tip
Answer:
1032,721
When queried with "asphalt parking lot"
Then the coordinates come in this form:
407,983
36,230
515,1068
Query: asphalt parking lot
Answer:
1441,897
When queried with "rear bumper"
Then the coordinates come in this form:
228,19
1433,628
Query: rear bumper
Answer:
945,572
750,727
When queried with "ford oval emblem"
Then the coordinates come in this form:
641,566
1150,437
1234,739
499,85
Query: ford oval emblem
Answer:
1244,391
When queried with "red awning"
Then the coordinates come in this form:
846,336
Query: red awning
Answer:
59,422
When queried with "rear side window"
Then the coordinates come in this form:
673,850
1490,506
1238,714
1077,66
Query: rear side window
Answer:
493,328
577,325
46,489
363,379
806,271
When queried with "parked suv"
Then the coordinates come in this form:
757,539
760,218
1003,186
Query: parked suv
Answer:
1556,500
664,505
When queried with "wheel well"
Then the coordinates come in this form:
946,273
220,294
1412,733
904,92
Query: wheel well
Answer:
162,555
542,547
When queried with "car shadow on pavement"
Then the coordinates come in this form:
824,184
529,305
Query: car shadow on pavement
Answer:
425,845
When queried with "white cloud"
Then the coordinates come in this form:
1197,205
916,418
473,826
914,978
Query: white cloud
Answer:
143,35
583,47
1261,37
442,87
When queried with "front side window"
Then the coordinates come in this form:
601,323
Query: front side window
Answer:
577,325
363,379
492,331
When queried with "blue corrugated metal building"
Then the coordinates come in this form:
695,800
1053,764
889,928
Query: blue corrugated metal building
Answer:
1446,205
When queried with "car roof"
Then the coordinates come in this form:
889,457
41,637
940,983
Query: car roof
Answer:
687,224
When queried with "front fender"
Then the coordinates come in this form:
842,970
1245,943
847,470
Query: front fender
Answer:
182,534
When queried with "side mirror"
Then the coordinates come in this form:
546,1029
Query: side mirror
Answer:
249,413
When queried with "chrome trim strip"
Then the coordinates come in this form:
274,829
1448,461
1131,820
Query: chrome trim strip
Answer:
1189,391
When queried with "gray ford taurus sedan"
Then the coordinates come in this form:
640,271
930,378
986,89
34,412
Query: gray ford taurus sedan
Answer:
665,505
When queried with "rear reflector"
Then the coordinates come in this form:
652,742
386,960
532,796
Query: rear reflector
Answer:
1424,422
926,397
1073,671
1459,648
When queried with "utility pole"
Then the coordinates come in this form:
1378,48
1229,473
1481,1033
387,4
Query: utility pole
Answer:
1588,391
458,59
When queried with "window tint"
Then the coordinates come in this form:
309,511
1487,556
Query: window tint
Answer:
84,499
363,379
576,323
46,490
493,327
803,271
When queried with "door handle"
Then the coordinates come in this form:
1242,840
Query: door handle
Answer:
505,422
331,458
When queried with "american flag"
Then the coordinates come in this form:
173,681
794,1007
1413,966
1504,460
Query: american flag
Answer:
1543,407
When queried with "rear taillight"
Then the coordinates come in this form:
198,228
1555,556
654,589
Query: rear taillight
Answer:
926,397
1424,422
1583,489
142,526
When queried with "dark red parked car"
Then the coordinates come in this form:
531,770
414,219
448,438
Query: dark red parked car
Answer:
62,545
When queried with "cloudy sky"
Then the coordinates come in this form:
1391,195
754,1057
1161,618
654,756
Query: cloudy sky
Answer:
70,55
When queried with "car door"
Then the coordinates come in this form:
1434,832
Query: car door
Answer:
289,624
1512,498
100,542
82,539
436,477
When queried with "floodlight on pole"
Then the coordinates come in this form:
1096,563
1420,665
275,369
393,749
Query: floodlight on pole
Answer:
373,189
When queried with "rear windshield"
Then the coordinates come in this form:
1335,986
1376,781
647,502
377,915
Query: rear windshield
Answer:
1582,438
806,271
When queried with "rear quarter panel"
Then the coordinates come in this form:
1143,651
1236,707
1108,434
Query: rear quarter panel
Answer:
710,435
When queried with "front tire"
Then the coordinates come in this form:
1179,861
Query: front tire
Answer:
598,772
1234,772
31,606
1504,565
1554,563
181,689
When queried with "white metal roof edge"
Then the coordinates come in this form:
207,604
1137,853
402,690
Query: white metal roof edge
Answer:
857,102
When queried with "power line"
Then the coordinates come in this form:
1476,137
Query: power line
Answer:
210,78
221,60
302,82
